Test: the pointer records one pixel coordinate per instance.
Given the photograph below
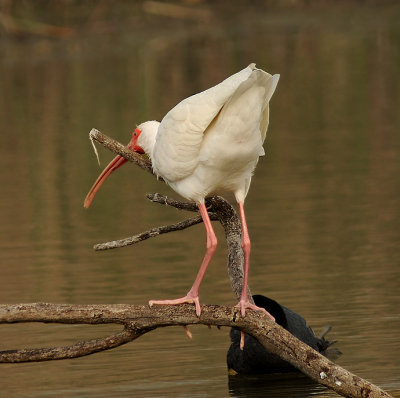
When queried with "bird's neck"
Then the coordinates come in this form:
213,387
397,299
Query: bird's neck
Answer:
147,139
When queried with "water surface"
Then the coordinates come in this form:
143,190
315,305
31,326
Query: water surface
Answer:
323,209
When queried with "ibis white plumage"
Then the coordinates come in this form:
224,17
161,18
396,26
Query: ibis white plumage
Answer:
209,143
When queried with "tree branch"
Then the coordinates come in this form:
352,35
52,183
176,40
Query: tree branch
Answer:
119,149
164,200
80,349
138,320
141,319
151,233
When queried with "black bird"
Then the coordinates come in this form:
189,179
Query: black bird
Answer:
255,359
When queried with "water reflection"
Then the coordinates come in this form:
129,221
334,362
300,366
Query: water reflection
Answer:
323,209
285,386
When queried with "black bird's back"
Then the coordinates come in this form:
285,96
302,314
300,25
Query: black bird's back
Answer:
254,358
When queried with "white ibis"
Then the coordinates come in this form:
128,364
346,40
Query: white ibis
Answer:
208,143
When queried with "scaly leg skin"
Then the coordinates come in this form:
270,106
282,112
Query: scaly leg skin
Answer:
193,294
244,302
189,298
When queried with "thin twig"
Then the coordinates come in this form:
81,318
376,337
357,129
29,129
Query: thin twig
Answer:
177,204
151,233
114,146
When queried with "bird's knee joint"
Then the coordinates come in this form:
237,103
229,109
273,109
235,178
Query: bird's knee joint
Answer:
246,245
212,243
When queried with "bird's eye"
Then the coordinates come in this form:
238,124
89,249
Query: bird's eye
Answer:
136,133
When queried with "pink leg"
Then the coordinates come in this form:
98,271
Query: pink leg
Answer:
193,294
246,245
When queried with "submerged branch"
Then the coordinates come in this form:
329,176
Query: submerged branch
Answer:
139,319
79,349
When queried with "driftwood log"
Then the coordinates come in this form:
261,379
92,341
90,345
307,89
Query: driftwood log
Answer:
138,320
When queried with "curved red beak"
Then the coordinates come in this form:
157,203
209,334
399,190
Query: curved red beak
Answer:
117,162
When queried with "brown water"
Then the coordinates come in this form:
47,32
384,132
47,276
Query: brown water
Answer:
323,209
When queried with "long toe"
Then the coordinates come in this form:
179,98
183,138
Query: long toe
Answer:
245,304
186,299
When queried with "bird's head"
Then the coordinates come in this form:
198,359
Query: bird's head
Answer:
142,141
133,143
144,137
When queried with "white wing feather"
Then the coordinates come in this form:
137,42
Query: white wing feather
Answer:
270,89
181,131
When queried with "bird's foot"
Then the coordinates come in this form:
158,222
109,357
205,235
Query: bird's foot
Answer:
186,299
245,304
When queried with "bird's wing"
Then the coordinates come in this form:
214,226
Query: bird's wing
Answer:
248,107
270,86
182,129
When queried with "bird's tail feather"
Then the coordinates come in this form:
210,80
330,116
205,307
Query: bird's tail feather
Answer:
327,349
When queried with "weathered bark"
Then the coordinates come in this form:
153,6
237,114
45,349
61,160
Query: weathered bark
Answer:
119,149
150,234
138,320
